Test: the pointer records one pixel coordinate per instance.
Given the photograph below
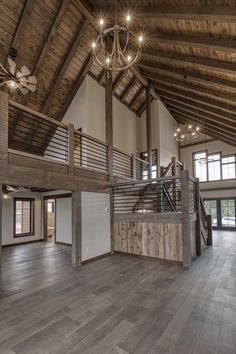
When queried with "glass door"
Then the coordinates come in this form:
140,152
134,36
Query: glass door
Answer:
227,210
211,209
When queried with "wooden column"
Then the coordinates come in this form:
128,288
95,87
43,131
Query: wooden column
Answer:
111,221
4,102
149,129
209,230
0,238
198,221
185,208
76,229
71,148
109,120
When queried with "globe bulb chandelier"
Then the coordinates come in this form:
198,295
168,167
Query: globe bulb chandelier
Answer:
187,133
117,48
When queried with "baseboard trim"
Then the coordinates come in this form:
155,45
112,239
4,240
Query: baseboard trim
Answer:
63,243
149,257
21,243
96,258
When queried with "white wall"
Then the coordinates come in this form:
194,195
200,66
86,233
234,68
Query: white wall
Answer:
8,219
95,225
63,220
163,128
87,111
186,155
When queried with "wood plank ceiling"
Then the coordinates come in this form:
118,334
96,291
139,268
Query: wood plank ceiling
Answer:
189,56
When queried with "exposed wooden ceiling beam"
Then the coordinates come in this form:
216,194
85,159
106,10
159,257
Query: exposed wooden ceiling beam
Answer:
68,57
184,84
196,13
119,79
215,126
201,63
81,76
200,41
183,109
43,53
135,97
21,23
128,89
210,132
197,97
191,74
197,104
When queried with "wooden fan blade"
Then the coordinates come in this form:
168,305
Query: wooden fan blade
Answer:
31,87
11,189
24,71
12,66
23,90
32,80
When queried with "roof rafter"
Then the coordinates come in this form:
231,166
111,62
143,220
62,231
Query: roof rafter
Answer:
135,97
68,57
195,13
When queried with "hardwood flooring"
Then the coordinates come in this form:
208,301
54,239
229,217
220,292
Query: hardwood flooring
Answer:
119,304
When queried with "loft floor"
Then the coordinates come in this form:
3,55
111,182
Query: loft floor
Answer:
119,304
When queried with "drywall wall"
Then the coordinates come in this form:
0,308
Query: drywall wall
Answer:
8,219
186,155
87,111
163,128
168,146
63,220
95,224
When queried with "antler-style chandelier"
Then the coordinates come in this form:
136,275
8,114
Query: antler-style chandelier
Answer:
117,48
187,133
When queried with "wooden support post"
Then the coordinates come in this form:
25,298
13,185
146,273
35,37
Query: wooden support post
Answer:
0,238
4,102
149,129
76,229
111,220
71,148
185,203
109,120
134,166
173,160
209,230
198,220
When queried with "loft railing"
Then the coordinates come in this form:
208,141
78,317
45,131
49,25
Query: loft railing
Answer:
40,136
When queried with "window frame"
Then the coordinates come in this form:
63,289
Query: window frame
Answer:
32,217
207,168
219,213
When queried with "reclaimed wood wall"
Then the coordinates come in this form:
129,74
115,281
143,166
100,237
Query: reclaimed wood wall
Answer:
158,240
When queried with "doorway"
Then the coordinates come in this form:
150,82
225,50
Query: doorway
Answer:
223,211
50,220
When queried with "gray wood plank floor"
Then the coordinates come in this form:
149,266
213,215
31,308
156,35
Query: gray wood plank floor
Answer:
119,304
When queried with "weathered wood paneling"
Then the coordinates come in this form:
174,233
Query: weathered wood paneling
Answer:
158,240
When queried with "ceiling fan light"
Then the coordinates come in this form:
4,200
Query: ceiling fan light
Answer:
12,84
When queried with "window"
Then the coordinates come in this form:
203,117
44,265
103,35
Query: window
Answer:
23,217
214,171
144,157
213,167
228,167
200,165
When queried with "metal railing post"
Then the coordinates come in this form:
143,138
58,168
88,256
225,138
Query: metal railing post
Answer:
198,221
185,208
71,147
134,166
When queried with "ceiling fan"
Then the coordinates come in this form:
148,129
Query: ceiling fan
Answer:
13,78
11,189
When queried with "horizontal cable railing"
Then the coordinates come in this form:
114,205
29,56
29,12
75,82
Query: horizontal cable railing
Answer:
90,153
36,134
148,196
122,164
141,169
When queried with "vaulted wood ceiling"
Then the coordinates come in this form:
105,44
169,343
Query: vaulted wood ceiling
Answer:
189,56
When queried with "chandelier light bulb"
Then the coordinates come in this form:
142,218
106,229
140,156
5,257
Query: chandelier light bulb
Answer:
178,130
190,126
175,134
128,18
129,58
193,133
101,22
197,128
140,39
94,45
107,60
182,136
